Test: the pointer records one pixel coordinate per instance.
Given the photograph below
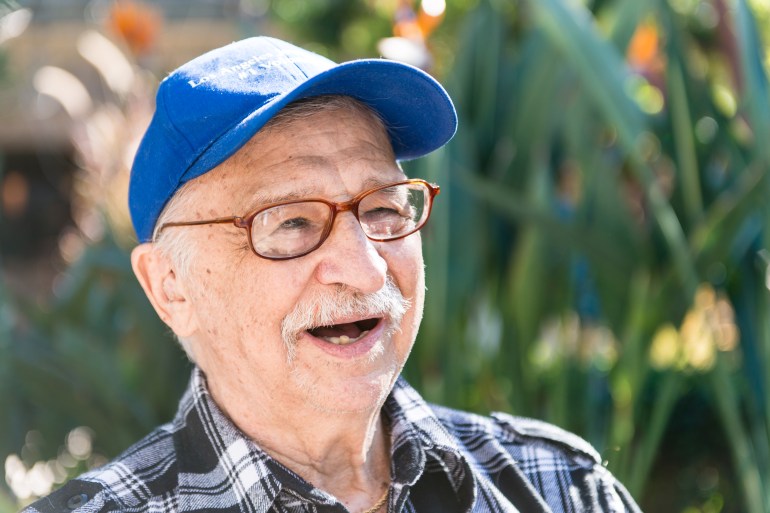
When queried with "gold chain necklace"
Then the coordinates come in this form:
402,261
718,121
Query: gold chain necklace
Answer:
379,503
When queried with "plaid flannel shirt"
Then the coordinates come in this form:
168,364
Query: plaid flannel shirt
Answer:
442,460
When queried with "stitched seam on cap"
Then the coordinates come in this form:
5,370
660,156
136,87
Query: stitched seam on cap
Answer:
176,128
294,63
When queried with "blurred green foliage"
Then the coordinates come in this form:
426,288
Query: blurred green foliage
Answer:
609,175
96,355
599,247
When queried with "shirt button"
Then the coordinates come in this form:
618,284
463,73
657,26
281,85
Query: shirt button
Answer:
76,501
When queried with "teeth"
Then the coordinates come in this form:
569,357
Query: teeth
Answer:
344,339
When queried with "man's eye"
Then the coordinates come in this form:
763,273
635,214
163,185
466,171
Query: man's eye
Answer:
383,213
295,223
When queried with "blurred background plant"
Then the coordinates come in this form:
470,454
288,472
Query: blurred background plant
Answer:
598,256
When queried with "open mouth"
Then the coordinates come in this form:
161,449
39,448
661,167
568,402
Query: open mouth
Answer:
345,333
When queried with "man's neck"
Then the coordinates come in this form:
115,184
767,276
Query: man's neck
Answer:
346,454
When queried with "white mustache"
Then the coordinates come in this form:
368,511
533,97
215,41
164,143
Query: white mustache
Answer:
326,308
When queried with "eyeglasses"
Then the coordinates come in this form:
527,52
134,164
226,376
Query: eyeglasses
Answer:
291,229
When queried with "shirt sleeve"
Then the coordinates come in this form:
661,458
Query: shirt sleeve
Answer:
564,469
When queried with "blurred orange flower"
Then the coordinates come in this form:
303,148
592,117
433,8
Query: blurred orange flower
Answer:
418,25
137,23
644,48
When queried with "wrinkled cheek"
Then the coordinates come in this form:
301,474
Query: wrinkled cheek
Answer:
407,268
414,278
405,263
215,309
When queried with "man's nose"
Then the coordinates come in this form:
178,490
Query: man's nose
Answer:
349,258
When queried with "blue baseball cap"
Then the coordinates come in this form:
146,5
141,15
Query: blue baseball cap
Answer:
210,107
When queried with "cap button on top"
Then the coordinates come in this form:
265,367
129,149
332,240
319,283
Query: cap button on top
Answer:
76,501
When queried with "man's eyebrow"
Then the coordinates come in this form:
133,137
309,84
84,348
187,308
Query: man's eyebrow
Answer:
373,182
260,198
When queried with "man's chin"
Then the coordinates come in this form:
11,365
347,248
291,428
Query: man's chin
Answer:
350,395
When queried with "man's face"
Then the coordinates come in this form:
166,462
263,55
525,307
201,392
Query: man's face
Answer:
241,301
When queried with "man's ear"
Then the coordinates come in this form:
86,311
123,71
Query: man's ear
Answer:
164,288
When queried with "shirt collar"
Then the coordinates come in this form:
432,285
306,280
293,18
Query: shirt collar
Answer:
420,442
219,464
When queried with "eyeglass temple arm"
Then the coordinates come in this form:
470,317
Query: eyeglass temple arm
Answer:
236,220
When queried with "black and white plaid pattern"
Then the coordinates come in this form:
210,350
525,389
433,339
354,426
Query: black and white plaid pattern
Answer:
443,460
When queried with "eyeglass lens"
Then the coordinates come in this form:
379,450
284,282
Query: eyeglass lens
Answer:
293,229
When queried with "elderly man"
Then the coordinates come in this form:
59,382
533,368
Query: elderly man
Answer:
279,241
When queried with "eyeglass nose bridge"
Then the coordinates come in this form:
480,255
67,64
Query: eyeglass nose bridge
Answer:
346,206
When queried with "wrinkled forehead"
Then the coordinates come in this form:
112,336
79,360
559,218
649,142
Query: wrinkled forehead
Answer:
310,117
252,168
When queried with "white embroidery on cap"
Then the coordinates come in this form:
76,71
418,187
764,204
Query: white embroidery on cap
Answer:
247,68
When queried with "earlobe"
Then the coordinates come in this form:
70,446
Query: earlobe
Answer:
164,288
